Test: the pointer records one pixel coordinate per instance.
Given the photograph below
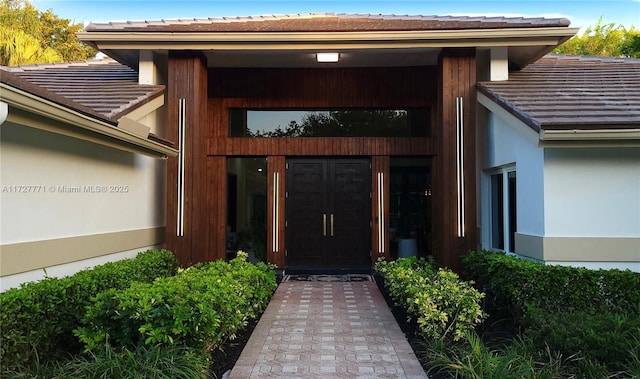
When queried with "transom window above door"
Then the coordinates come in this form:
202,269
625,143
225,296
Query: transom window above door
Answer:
410,122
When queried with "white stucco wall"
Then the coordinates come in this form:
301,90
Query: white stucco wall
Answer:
68,204
515,145
134,184
592,192
577,206
66,269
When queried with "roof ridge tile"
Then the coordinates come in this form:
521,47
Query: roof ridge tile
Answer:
41,66
530,21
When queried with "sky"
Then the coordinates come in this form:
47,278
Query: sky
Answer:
582,13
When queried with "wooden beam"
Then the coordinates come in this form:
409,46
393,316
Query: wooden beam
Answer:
276,210
187,80
380,168
454,218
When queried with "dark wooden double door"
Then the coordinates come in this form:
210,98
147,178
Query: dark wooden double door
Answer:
328,211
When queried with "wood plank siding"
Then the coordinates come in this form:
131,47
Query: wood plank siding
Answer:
457,79
380,165
275,210
305,88
187,78
337,146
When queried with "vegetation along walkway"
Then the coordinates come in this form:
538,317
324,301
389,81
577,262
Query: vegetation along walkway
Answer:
327,330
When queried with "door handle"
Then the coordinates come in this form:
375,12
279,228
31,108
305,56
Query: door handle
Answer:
332,225
324,224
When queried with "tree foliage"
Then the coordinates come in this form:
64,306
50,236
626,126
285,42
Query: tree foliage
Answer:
602,39
346,123
28,36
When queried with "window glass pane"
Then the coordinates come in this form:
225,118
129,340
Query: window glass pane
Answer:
497,212
410,205
414,122
512,211
247,207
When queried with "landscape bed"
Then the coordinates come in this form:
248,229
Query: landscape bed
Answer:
172,326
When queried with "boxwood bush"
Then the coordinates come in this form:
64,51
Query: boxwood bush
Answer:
442,304
517,284
38,319
199,308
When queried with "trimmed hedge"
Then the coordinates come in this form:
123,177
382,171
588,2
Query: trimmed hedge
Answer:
611,339
442,304
519,284
199,308
38,319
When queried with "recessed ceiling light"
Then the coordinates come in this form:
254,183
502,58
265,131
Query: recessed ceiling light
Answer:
327,57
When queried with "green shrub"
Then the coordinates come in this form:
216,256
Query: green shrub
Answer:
516,284
158,362
589,314
442,304
38,318
199,308
473,359
603,338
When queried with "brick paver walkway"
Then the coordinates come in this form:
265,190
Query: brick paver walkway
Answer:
327,330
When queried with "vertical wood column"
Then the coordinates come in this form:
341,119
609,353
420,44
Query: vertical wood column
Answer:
380,207
187,80
276,210
215,211
455,181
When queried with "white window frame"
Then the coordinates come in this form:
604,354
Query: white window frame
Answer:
506,217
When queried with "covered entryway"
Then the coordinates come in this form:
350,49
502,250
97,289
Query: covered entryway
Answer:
217,71
328,213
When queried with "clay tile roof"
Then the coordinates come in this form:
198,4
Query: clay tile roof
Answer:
104,89
328,22
572,92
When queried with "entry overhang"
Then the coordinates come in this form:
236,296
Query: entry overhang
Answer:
525,44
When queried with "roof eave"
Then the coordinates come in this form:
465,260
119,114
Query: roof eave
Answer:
141,106
139,39
486,97
621,134
75,124
563,135
123,46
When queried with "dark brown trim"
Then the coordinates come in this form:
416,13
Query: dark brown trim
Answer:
337,146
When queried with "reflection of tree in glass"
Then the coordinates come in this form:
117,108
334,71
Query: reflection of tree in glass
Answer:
345,123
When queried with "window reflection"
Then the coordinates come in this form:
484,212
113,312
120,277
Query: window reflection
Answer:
247,207
413,122
410,206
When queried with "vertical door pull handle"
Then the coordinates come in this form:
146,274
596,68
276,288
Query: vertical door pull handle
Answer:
332,225
324,224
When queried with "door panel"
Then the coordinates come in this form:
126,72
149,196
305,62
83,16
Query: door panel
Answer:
305,208
328,213
350,203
